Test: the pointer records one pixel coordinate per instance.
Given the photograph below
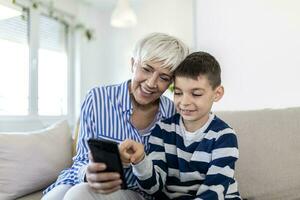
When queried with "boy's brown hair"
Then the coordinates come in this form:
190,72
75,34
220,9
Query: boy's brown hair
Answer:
200,63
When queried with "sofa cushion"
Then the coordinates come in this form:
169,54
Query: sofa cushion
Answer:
269,144
31,161
33,196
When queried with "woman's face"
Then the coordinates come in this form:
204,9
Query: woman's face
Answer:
149,81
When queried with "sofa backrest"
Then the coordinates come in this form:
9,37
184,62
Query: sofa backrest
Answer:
269,145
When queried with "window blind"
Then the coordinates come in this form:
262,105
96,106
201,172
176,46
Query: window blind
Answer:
14,29
52,34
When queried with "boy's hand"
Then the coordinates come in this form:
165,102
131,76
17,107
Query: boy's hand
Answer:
131,151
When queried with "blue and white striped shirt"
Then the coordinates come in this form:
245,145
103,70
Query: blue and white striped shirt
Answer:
105,113
180,167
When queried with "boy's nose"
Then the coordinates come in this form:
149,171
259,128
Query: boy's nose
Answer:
185,100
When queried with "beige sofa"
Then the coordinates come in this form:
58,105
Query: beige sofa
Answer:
269,164
269,144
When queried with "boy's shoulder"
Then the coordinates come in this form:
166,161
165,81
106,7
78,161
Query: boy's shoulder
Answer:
174,119
218,124
219,127
168,125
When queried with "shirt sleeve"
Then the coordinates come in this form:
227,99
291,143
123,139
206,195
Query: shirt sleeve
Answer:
87,130
151,172
220,173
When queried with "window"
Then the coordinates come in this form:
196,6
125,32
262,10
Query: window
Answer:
52,68
34,67
14,53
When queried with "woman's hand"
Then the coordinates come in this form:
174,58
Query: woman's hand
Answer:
131,151
100,181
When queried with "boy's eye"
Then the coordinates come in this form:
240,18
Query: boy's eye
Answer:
197,95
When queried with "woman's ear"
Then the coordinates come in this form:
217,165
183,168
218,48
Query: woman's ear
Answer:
219,92
132,64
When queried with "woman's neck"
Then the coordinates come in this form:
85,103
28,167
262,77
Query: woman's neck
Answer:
147,107
143,115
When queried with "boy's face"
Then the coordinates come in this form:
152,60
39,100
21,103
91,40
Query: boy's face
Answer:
193,100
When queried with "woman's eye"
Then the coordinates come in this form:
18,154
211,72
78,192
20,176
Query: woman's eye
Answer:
165,78
146,69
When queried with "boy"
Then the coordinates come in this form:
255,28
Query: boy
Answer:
192,154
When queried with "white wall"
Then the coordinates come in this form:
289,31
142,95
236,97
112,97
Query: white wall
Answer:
68,6
257,44
106,60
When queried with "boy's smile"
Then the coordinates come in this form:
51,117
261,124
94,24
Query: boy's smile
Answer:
193,100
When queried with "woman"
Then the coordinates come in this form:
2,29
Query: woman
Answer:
117,112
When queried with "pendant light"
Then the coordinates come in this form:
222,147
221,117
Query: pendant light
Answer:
123,16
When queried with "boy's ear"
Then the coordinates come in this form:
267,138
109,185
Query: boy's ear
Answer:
219,92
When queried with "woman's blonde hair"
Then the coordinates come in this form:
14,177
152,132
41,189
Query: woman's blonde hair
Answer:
160,47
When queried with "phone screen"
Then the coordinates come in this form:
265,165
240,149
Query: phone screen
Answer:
109,158
107,152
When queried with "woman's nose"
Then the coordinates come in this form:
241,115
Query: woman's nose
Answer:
152,80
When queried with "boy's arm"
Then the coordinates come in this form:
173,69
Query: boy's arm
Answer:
221,169
151,172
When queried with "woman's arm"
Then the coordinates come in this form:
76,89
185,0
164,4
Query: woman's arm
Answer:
84,166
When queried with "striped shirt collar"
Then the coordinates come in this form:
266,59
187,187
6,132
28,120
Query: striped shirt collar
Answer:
126,102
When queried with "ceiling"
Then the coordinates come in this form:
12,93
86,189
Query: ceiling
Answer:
105,4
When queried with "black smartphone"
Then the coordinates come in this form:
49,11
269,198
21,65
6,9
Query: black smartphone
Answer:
107,152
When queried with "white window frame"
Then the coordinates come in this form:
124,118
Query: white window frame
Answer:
33,120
